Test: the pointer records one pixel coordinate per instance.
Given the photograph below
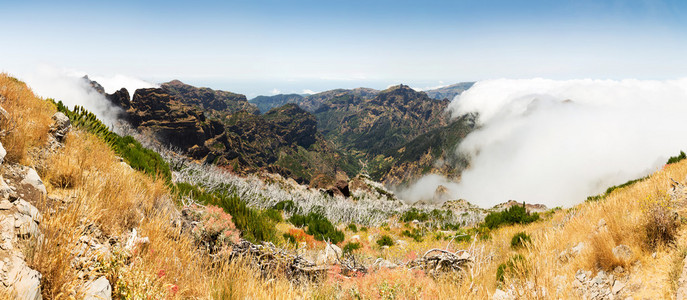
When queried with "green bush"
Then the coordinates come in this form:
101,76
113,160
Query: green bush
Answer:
385,240
516,214
318,226
289,238
273,215
286,206
415,235
517,262
674,159
351,246
414,214
519,240
254,225
352,227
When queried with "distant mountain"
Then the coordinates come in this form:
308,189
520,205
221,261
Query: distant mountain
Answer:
449,92
309,102
215,103
265,103
366,127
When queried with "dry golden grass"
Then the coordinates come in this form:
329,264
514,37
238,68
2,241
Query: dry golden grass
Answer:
29,120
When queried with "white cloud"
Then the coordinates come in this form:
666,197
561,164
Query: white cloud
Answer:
535,146
69,87
309,92
276,92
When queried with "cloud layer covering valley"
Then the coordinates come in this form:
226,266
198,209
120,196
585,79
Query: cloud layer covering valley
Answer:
557,142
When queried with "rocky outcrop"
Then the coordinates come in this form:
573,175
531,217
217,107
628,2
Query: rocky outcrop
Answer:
19,221
215,103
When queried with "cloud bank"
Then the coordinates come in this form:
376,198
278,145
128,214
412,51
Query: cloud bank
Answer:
69,87
557,142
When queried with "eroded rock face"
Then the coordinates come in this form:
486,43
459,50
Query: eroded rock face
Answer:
171,121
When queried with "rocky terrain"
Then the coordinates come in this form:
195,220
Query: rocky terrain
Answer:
215,127
215,103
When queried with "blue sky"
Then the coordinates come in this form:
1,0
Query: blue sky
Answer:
261,47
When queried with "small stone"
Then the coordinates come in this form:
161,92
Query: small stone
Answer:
619,269
98,289
617,286
3,152
5,205
653,255
602,223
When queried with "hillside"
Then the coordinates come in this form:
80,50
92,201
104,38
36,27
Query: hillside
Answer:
431,153
449,92
82,217
367,127
214,103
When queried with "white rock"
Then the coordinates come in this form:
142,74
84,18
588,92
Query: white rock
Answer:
3,152
31,178
577,249
27,209
387,264
501,295
617,286
355,238
98,289
25,281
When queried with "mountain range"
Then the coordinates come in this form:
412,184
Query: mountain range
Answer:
396,135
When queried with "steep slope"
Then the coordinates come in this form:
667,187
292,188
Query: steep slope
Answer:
214,103
433,152
369,126
449,92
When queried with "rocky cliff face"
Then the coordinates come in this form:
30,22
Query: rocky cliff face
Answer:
215,103
172,121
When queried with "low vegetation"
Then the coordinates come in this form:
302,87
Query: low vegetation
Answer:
513,215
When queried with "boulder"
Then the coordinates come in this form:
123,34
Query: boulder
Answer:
25,281
32,179
98,289
387,264
61,126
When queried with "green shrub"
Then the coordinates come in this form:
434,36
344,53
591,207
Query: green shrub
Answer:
289,238
364,229
519,240
515,263
415,235
286,206
318,226
385,240
351,246
516,214
273,215
414,214
352,227
674,159
254,225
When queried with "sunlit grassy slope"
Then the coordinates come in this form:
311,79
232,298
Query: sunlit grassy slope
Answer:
109,195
